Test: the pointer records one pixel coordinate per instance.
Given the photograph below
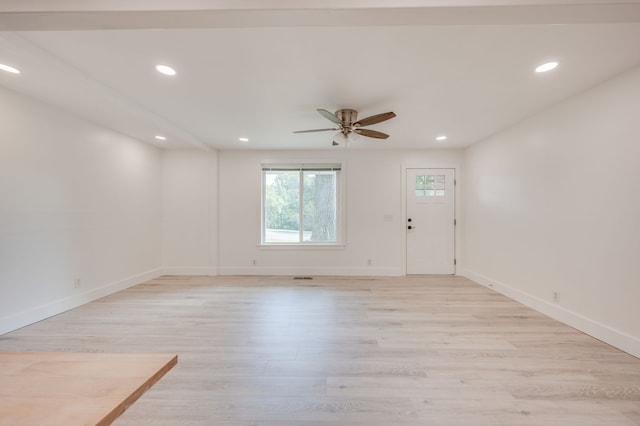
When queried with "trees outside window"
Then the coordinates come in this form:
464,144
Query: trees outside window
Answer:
300,205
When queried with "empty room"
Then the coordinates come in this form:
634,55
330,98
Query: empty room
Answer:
320,213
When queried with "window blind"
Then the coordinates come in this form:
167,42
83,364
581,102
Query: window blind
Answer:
323,167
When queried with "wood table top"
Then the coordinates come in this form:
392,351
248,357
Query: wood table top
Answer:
70,388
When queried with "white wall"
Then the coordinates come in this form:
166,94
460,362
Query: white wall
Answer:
373,187
189,228
552,205
76,201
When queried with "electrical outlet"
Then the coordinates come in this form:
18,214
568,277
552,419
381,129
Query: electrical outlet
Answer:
369,262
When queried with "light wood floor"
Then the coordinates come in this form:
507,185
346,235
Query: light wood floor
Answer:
269,351
74,388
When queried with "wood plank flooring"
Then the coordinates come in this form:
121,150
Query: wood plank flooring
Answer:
265,351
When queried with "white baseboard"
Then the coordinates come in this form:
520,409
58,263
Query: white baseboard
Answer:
38,313
616,338
310,270
190,270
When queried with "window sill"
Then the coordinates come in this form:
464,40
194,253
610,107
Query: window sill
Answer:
337,246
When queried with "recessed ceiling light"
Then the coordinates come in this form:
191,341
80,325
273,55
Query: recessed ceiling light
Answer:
243,139
546,67
7,68
161,138
165,69
441,138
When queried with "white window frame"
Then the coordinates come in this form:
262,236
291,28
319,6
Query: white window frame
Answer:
339,167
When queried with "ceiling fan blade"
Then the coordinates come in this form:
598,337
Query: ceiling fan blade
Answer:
314,130
378,118
371,133
329,116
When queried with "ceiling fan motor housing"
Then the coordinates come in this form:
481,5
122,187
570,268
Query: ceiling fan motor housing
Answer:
347,116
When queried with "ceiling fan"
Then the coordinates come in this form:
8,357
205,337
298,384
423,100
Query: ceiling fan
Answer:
347,121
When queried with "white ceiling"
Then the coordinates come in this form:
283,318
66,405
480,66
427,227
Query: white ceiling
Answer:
261,69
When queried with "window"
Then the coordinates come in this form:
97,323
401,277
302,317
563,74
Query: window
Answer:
300,204
430,186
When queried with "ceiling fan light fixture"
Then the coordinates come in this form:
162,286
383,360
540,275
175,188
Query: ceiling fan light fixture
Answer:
353,136
340,139
165,69
546,67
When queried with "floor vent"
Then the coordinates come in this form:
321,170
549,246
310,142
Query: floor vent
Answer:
302,278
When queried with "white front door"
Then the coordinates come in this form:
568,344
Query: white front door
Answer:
430,222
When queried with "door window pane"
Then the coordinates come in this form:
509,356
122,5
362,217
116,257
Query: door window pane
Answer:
435,182
430,186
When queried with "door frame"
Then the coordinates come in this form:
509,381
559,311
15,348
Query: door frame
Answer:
403,212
